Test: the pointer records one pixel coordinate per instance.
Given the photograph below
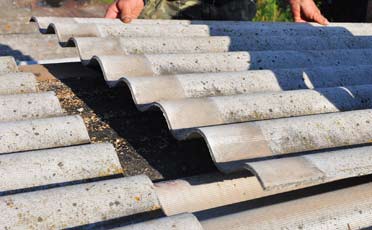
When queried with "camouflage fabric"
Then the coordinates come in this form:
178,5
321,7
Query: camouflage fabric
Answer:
200,9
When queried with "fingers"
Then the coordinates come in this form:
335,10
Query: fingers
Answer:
138,9
296,11
125,11
112,11
305,11
299,20
319,18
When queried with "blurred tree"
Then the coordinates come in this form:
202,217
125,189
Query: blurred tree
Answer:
272,10
102,1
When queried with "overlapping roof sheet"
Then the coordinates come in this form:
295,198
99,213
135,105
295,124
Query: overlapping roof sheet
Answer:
295,114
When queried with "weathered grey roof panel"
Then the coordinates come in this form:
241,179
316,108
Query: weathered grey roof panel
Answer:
36,48
67,30
60,165
91,46
233,143
205,88
306,170
10,26
116,67
29,106
345,208
206,111
77,205
17,83
42,133
207,192
44,22
147,90
41,148
7,65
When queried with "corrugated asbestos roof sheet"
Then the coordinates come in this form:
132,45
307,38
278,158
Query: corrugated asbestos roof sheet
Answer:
21,39
36,49
288,102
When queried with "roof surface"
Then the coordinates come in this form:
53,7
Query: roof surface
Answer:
294,114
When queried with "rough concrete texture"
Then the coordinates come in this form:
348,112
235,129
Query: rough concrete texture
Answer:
44,22
229,144
349,208
116,67
29,106
207,192
77,205
42,133
65,31
7,65
17,83
300,59
14,19
188,113
36,48
146,90
10,26
303,171
91,46
60,165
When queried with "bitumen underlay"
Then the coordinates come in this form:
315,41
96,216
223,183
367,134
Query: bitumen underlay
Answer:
142,139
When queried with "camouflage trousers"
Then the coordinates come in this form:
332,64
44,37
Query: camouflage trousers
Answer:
200,9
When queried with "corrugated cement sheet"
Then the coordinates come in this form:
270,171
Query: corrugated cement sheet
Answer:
42,148
292,113
36,49
15,20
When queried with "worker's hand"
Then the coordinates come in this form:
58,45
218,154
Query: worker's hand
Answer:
306,11
126,10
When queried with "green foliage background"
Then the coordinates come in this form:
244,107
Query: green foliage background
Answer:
275,10
272,11
103,1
